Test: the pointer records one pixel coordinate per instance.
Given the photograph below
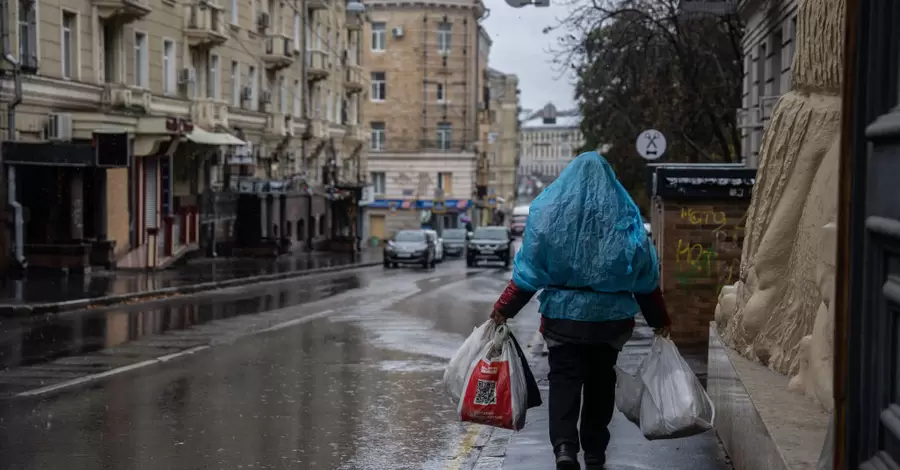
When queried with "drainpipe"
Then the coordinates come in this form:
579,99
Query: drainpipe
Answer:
18,235
304,104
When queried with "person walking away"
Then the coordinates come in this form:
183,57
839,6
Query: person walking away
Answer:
585,245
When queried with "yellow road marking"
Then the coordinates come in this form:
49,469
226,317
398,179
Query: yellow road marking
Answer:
465,446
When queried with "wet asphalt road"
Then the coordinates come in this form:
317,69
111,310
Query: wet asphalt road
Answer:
350,382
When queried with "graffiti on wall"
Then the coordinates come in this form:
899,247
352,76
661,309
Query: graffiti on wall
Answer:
718,262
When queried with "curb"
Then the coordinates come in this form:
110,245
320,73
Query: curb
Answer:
24,310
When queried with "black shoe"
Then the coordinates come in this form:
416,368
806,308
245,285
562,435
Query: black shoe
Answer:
594,462
567,457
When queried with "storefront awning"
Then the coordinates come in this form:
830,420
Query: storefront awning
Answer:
200,136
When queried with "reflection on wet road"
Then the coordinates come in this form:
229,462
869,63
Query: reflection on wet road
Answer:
34,340
48,287
351,383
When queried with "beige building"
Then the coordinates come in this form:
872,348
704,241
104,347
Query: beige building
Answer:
550,139
503,137
425,65
206,90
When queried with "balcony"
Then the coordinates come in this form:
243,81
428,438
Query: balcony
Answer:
354,21
281,125
317,4
204,25
353,78
316,129
123,96
355,133
278,52
124,11
317,65
209,113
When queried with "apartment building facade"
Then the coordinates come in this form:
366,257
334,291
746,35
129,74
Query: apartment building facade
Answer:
503,137
550,139
768,46
208,96
426,65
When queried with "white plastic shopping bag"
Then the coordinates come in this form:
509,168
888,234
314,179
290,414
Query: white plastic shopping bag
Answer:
674,403
495,391
460,365
629,389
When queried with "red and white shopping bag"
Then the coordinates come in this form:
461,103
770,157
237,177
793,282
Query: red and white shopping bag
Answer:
495,393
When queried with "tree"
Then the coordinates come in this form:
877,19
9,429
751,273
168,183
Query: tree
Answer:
643,64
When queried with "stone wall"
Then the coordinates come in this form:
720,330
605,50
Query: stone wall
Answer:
701,253
779,311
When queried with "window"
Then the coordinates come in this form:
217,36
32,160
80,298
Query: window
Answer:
235,13
282,94
440,93
379,36
444,134
108,53
777,67
379,86
445,183
761,73
329,115
298,103
378,137
212,78
793,38
69,38
379,182
235,83
28,33
254,87
444,35
296,31
168,58
254,16
140,60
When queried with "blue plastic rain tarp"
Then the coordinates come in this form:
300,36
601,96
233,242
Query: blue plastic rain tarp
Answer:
586,246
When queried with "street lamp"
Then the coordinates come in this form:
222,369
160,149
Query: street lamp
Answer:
355,6
523,3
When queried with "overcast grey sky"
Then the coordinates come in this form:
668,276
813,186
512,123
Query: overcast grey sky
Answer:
520,46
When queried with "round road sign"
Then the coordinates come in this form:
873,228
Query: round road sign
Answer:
651,144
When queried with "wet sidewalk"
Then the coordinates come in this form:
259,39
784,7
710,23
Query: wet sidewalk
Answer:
58,288
530,448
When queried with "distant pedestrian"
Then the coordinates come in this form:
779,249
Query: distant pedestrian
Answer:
585,245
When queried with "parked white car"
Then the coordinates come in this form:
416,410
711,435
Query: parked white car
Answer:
439,250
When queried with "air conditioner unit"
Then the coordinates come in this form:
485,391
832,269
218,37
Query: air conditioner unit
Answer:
266,97
59,127
264,20
246,93
397,33
188,75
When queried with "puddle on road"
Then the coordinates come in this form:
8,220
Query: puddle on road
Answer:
38,340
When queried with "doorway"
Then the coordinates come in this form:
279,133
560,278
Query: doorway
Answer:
376,225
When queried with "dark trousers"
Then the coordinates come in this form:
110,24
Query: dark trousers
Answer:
575,368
